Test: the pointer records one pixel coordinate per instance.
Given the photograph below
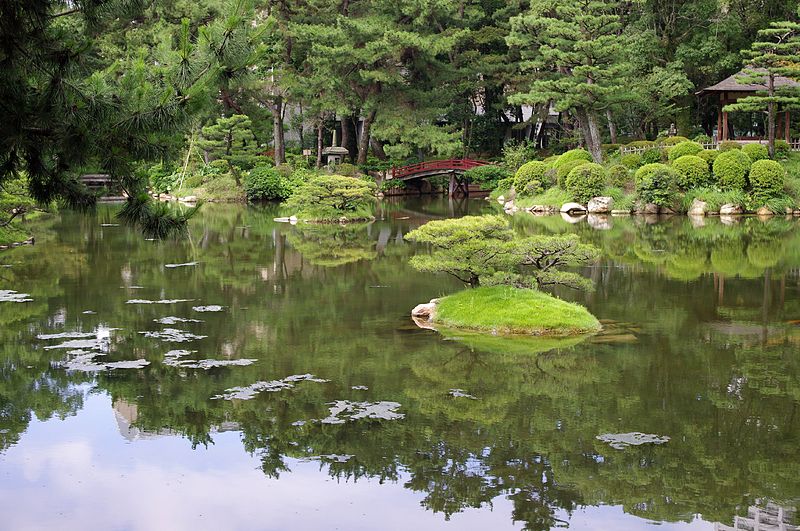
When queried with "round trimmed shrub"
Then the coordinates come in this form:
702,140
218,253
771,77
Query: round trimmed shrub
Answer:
572,155
652,156
708,155
684,148
618,175
641,144
563,170
631,160
505,184
782,149
657,184
692,172
703,139
586,181
531,173
756,151
767,179
266,183
730,169
729,145
673,140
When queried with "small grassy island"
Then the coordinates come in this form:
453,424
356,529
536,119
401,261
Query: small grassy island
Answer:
505,272
509,310
332,199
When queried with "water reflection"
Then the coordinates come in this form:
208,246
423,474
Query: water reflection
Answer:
700,346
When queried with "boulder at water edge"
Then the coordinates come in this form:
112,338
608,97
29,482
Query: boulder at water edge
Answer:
698,208
600,205
729,209
572,208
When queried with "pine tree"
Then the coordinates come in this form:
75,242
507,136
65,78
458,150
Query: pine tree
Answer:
775,53
573,51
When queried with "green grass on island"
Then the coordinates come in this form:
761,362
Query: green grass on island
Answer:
509,310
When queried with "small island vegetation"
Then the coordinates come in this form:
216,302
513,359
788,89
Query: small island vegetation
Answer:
506,271
332,198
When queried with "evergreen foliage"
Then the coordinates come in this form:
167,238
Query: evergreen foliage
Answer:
767,179
684,148
332,198
693,172
531,178
730,169
585,182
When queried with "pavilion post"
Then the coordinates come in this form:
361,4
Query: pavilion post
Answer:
719,123
787,129
724,126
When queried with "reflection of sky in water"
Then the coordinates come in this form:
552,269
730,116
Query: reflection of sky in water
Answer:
80,473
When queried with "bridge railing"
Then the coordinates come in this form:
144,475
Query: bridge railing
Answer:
431,165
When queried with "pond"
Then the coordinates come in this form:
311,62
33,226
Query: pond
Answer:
260,375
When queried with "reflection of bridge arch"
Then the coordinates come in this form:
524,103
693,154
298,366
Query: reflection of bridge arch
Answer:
455,168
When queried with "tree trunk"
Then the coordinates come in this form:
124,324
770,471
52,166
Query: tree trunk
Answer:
612,127
363,142
320,131
277,131
346,137
771,111
377,149
595,142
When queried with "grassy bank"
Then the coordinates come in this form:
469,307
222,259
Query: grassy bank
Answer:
510,310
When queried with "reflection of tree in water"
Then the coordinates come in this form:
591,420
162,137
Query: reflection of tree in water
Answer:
331,245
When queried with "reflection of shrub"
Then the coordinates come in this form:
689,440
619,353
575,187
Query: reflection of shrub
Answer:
687,264
332,197
652,156
565,169
730,169
726,258
767,178
763,255
683,149
631,160
729,145
487,176
656,183
533,174
331,245
586,181
756,151
692,171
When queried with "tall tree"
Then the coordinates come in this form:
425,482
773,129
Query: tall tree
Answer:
775,53
572,50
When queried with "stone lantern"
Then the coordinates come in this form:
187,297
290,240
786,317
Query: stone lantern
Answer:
335,154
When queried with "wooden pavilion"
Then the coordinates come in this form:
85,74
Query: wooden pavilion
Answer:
730,90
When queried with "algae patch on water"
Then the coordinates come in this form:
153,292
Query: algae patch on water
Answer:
250,391
173,335
342,411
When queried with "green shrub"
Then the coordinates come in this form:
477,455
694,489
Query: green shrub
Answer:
194,180
487,176
505,184
684,148
640,144
220,188
730,169
631,160
586,181
703,139
652,156
673,140
657,184
332,198
709,155
782,149
618,175
532,173
729,145
571,156
515,154
692,172
767,179
162,178
267,183
713,197
756,151
610,149
348,170
563,170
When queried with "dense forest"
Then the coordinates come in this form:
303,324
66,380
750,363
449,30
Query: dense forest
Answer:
102,85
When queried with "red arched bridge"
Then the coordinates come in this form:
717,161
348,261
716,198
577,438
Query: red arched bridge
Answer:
455,168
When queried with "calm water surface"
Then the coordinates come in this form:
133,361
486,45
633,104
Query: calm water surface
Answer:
264,376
